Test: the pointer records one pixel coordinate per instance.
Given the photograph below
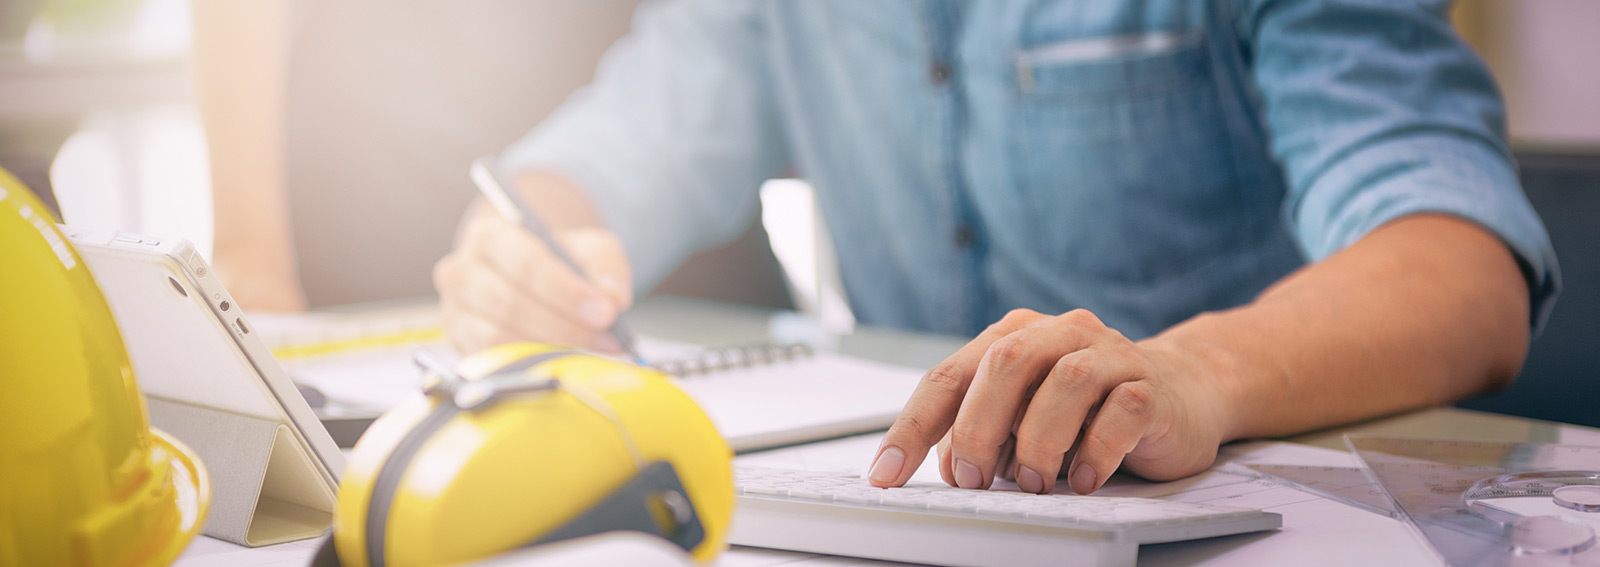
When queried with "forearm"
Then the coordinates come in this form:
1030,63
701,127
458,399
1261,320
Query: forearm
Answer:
241,68
1425,310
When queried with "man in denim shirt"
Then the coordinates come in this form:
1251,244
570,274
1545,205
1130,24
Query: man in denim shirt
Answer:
1168,224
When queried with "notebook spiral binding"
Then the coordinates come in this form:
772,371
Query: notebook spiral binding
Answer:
718,359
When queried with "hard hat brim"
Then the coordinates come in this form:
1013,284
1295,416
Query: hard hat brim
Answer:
192,487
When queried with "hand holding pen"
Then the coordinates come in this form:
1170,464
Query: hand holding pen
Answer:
512,277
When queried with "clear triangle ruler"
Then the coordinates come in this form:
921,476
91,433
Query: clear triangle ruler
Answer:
1482,504
1349,485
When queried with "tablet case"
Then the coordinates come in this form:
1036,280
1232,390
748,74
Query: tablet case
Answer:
265,489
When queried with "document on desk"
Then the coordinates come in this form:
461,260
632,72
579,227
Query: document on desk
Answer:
764,405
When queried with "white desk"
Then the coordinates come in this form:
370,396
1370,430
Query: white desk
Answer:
1315,532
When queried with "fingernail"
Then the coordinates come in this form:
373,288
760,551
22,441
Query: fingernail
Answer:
607,343
968,475
1083,479
887,469
595,312
1029,481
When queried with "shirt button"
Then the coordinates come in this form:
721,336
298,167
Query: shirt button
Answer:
939,72
964,237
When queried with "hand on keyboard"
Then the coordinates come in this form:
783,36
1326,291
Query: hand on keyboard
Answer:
1041,383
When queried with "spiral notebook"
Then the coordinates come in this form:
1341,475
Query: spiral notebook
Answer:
764,396
759,396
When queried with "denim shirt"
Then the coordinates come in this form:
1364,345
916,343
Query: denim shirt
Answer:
1145,160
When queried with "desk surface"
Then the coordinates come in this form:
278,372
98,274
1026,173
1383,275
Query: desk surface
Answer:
705,322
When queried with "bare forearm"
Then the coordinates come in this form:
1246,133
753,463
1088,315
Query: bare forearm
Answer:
241,68
1425,310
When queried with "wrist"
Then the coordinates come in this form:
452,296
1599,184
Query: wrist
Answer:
561,203
1206,373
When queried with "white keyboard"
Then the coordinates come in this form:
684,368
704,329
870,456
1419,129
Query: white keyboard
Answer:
840,514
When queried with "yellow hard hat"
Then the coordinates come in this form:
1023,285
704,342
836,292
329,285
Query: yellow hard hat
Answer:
84,480
526,444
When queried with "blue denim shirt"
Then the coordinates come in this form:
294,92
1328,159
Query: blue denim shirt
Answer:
1146,160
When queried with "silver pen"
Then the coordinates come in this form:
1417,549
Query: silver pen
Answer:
511,206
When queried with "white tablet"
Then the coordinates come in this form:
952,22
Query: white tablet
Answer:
214,385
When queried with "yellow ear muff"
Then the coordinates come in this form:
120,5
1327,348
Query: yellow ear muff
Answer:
526,444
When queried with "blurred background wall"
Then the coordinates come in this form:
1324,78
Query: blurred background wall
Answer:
386,104
99,91
1543,53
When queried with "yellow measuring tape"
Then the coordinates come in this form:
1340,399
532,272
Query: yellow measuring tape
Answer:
293,351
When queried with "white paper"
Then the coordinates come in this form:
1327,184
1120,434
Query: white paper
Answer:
826,395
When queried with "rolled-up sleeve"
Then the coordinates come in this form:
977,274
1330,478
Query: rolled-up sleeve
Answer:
1377,110
674,136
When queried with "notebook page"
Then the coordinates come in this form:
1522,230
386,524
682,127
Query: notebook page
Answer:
818,397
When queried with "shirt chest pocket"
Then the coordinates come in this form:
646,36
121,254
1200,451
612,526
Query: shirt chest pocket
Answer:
1110,66
1121,150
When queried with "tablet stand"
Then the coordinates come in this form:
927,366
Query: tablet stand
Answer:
265,489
